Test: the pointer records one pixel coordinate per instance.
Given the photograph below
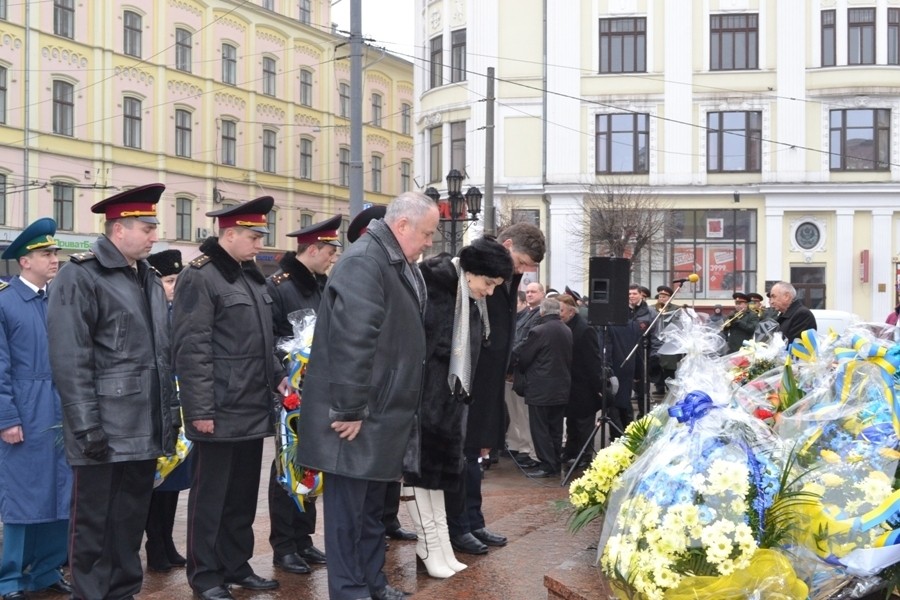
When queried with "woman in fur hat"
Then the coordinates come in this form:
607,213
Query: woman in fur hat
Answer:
458,287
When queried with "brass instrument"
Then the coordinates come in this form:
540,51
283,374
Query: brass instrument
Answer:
734,318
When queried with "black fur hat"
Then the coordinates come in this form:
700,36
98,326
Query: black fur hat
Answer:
486,256
167,262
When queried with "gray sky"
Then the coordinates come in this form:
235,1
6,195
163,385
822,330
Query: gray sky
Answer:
388,22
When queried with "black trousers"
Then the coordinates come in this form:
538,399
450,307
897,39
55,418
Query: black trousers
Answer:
221,510
464,504
291,528
391,506
546,424
160,523
578,429
108,513
354,536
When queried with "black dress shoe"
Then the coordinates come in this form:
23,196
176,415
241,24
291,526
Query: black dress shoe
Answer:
175,559
159,567
467,544
312,555
15,596
292,563
489,538
255,582
404,535
389,593
60,587
220,592
542,473
527,463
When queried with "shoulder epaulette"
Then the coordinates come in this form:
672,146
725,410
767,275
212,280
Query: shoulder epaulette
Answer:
200,261
82,256
280,278
3,285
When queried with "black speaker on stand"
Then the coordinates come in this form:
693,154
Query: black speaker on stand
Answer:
609,279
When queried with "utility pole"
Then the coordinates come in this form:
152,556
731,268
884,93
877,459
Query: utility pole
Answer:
356,92
489,225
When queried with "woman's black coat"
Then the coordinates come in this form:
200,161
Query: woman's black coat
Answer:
442,414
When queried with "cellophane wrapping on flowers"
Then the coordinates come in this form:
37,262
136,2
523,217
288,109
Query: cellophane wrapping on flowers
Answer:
300,482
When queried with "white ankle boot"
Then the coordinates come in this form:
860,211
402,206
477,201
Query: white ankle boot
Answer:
440,520
428,548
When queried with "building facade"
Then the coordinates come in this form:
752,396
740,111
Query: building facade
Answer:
221,101
767,132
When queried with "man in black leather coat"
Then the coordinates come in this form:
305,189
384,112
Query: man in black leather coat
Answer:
109,351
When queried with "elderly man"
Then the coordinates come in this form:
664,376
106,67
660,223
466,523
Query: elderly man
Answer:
108,321
362,389
794,318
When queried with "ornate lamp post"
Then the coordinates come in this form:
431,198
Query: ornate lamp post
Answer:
454,208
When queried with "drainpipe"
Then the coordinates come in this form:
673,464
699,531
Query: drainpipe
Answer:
545,196
26,132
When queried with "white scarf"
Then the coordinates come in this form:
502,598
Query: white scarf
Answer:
461,347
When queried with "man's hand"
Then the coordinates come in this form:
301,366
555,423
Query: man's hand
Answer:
96,444
284,388
204,426
12,435
348,430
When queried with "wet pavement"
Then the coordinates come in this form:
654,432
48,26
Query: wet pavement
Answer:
523,509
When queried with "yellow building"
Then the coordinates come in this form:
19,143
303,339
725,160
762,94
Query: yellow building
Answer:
220,101
768,132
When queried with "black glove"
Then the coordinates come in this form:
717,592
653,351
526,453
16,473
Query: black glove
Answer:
96,444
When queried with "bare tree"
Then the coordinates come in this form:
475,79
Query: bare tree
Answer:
510,211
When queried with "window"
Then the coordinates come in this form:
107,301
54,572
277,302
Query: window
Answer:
733,141
733,42
306,87
622,143
229,64
344,174
305,220
269,151
829,38
183,219
271,220
720,244
376,173
405,176
132,112
623,45
229,142
63,206
3,4
183,50
860,139
268,65
458,55
458,146
306,156
182,133
893,41
64,18
437,62
133,30
344,91
3,181
268,4
2,94
306,11
376,110
861,36
63,107
435,170
405,119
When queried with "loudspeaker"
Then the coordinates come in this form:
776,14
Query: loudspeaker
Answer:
608,291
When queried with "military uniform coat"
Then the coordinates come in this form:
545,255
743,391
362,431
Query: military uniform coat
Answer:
110,355
222,327
292,288
35,479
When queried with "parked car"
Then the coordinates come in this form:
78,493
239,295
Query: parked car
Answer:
838,320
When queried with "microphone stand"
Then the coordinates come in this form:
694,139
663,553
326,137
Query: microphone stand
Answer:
644,342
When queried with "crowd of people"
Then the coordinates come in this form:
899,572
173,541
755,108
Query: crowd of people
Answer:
421,371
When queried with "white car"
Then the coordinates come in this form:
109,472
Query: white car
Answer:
838,320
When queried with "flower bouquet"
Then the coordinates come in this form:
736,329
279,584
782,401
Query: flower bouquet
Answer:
166,464
299,481
693,511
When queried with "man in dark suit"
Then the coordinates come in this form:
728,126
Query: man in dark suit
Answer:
486,423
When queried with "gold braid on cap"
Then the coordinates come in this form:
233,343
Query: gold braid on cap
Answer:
137,213
48,241
250,223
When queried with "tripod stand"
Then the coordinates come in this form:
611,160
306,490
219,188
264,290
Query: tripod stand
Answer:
604,419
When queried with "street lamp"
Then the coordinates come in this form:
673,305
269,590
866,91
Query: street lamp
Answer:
453,210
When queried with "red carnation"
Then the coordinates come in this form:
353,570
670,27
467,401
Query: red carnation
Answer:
291,402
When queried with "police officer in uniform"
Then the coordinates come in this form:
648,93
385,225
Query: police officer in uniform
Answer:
296,286
222,327
109,352
34,503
